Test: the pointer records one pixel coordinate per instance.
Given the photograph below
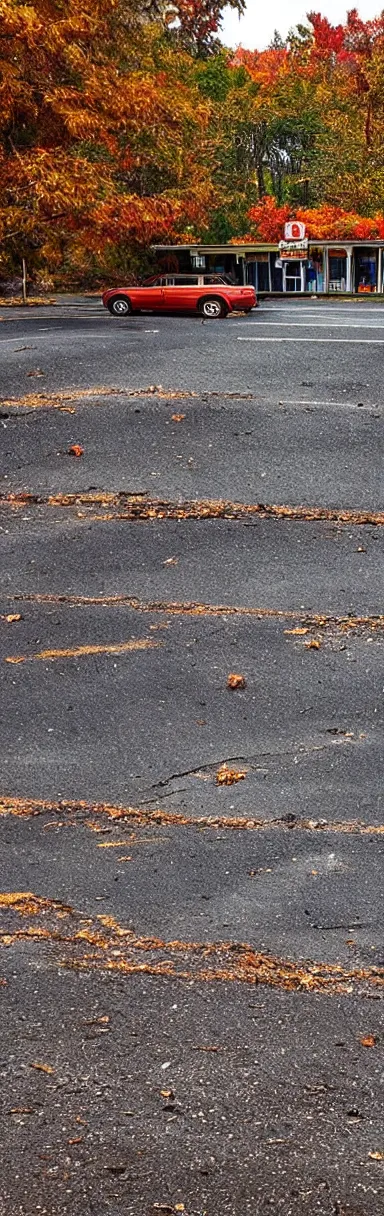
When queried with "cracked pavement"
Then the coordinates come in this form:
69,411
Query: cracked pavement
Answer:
191,928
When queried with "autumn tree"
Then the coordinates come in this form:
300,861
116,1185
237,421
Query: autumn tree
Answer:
102,129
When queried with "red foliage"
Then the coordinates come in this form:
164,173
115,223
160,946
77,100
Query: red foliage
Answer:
269,219
322,223
327,37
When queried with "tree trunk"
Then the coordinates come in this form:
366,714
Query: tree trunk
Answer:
24,265
260,179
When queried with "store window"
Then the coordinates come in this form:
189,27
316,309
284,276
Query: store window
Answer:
337,270
315,271
257,270
365,270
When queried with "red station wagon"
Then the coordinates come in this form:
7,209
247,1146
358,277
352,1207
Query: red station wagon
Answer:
208,294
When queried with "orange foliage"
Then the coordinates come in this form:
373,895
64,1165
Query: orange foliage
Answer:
322,223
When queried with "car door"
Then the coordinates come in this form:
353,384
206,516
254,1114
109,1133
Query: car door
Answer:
149,296
182,295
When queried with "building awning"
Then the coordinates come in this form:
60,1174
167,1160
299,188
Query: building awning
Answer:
258,247
241,249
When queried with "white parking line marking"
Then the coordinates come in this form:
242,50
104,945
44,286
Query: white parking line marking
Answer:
372,405
333,308
339,341
313,324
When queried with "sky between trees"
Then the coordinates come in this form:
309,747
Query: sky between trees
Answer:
257,27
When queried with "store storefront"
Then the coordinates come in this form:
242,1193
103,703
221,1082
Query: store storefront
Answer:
318,267
366,269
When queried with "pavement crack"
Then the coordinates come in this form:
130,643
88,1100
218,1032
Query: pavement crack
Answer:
252,761
135,507
82,811
200,768
90,943
57,400
81,652
346,623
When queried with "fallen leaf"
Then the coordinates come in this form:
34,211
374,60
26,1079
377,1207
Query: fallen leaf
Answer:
178,417
36,372
179,1207
75,1140
171,561
96,1021
167,1093
376,1156
13,616
313,644
229,776
200,1048
298,632
42,1067
361,549
368,1040
236,681
21,1110
76,450
111,844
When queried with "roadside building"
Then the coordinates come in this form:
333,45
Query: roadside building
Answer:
293,265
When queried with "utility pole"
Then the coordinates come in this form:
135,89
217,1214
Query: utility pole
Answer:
24,265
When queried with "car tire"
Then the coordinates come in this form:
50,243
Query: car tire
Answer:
120,306
212,307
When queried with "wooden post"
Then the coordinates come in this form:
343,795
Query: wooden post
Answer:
326,268
269,273
379,285
24,265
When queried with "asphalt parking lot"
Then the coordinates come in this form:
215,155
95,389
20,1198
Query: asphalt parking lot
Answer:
191,968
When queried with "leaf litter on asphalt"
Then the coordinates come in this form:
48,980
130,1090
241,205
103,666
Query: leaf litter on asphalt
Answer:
235,680
229,776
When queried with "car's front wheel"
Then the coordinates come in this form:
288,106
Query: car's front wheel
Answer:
212,307
120,306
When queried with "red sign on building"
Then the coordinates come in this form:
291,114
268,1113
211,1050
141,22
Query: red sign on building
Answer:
295,231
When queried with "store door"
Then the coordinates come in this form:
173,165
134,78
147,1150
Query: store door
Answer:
337,270
365,270
292,276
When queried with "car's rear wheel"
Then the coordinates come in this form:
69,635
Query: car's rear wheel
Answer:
212,307
120,306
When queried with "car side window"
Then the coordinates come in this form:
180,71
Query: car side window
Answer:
182,281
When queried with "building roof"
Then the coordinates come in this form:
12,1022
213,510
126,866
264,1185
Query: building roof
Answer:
262,247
